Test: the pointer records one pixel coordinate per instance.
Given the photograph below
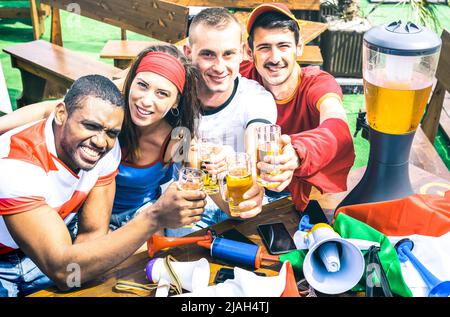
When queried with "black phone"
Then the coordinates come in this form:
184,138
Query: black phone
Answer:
315,213
276,238
235,235
225,273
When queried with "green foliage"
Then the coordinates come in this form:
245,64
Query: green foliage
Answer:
422,12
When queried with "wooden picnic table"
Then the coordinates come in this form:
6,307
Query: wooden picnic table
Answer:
282,210
123,52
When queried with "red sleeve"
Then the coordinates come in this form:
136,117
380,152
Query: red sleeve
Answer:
107,179
321,84
326,155
11,206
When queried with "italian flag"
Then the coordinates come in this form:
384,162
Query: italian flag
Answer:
425,219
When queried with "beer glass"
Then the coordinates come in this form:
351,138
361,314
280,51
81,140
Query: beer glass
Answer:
268,142
208,146
190,179
236,180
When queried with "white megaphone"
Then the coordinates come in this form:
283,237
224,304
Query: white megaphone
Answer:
332,265
191,275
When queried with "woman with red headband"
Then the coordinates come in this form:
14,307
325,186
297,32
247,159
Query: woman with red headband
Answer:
160,91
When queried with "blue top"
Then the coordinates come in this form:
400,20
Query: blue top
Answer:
137,185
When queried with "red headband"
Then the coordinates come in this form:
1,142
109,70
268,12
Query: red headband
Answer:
165,65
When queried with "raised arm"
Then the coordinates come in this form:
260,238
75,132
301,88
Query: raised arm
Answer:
42,110
43,236
27,114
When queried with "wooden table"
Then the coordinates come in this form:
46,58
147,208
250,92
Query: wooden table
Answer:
123,52
282,210
48,70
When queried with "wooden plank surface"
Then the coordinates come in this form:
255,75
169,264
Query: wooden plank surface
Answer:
14,13
127,50
443,69
250,4
158,19
282,210
311,56
443,75
445,115
41,58
434,111
424,156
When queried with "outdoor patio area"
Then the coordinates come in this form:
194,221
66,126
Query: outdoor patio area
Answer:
225,161
89,36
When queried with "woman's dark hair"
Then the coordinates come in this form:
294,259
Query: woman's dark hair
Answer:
188,102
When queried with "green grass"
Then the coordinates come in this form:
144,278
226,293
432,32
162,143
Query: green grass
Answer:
89,36
394,12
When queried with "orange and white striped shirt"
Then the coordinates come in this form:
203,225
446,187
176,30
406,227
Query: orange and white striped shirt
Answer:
31,176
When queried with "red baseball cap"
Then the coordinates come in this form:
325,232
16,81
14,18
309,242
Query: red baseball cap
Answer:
269,7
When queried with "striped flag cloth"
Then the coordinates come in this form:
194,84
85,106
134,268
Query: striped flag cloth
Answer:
425,219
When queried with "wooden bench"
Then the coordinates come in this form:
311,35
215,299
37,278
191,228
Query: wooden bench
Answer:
48,70
157,19
424,155
44,66
438,109
123,52
29,9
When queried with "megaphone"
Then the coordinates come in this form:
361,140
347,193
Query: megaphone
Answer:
157,242
332,265
189,276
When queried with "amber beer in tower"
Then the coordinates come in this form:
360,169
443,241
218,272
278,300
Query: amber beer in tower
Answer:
396,110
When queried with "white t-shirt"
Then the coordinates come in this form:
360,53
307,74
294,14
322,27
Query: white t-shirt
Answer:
250,102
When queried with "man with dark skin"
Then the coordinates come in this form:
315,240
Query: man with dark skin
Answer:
53,167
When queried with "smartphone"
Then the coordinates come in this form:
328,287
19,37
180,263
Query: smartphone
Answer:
276,238
226,273
235,235
315,213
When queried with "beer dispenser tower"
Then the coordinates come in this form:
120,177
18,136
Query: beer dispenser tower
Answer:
399,63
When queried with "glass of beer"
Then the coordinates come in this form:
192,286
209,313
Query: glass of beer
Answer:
236,180
190,179
268,143
208,146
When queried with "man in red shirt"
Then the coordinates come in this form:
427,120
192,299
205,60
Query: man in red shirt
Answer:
318,148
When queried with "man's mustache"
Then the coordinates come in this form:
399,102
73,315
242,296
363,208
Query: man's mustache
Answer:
280,64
